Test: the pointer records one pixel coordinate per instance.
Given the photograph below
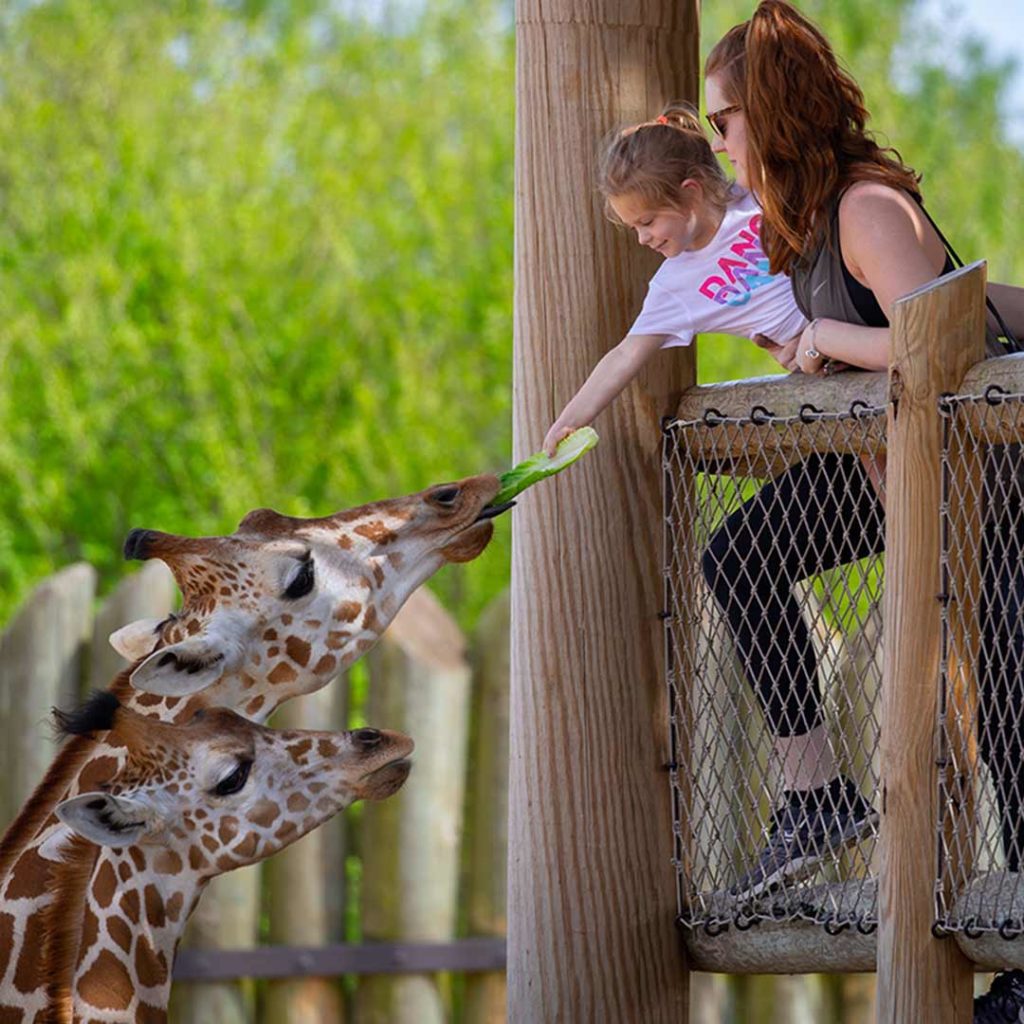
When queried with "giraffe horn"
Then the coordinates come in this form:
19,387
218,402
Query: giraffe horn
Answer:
141,544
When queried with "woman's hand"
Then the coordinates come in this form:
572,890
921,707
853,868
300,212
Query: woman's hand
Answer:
808,359
785,355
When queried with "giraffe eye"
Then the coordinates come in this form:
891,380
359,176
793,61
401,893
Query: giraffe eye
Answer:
235,781
445,495
302,582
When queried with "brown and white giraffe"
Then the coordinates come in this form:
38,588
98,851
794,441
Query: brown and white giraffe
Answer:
189,801
272,611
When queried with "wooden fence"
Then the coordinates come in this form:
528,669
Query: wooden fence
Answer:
377,893
394,912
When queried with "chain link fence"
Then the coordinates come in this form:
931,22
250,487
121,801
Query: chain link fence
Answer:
980,736
773,625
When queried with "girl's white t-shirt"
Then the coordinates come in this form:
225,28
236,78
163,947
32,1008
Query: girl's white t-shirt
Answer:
723,288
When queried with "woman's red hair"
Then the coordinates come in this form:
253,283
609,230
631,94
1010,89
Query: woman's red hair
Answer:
806,126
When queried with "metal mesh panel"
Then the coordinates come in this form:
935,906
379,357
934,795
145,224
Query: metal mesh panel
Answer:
726,775
981,735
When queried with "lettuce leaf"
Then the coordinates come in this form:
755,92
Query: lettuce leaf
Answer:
539,465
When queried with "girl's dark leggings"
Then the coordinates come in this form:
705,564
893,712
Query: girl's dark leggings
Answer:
824,513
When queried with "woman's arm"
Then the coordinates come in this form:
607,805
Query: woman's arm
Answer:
890,248
606,380
1009,300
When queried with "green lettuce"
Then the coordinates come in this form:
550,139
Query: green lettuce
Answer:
539,465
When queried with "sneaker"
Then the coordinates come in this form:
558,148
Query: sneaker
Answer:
806,829
1003,1003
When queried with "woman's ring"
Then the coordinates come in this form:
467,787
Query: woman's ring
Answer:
812,353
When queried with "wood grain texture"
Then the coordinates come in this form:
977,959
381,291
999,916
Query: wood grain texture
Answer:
591,889
937,335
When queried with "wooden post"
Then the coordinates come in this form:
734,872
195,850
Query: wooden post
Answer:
487,807
937,334
591,889
41,665
298,880
419,684
150,592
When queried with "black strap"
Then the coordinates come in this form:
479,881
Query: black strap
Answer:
1011,344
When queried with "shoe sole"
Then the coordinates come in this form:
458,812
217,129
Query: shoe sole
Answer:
802,868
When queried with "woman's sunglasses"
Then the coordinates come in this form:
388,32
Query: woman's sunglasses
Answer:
717,119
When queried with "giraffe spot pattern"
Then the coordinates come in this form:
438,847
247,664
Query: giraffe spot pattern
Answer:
263,814
28,877
288,830
150,964
282,673
247,847
325,666
129,904
167,862
107,985
24,973
174,905
120,933
348,611
376,532
6,941
298,650
297,802
155,914
104,885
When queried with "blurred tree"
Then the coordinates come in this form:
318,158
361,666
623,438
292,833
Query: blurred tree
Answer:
259,252
251,253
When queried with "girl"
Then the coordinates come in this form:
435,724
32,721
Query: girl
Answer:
844,218
661,179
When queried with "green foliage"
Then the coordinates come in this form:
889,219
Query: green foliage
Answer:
250,255
257,252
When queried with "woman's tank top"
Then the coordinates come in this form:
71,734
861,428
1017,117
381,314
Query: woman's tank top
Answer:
824,287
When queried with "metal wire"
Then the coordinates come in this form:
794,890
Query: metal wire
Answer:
981,744
726,769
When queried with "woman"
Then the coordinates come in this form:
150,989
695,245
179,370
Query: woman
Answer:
844,218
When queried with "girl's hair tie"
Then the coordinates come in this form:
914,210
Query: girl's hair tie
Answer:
661,119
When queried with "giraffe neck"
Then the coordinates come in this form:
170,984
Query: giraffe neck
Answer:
133,911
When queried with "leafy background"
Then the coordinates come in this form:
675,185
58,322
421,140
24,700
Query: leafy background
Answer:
260,252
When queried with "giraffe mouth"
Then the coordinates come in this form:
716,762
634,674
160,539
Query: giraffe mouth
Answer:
490,511
387,780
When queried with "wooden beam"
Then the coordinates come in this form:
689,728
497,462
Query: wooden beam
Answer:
591,896
937,334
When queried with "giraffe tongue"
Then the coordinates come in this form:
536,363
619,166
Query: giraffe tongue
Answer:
494,510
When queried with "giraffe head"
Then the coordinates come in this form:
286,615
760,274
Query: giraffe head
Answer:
219,791
278,607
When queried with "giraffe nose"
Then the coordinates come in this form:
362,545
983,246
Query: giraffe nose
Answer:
367,738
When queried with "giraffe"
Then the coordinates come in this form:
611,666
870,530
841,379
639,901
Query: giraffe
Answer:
272,611
189,801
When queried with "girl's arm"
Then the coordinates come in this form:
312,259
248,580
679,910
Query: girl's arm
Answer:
606,380
890,248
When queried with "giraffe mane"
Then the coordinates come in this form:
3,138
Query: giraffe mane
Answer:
70,760
70,879
96,714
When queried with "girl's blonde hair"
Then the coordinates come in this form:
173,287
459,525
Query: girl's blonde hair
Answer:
807,136
654,158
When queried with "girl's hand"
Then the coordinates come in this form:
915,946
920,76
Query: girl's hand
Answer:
554,435
785,355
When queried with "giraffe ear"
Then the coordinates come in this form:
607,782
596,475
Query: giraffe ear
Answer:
137,639
104,819
180,669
